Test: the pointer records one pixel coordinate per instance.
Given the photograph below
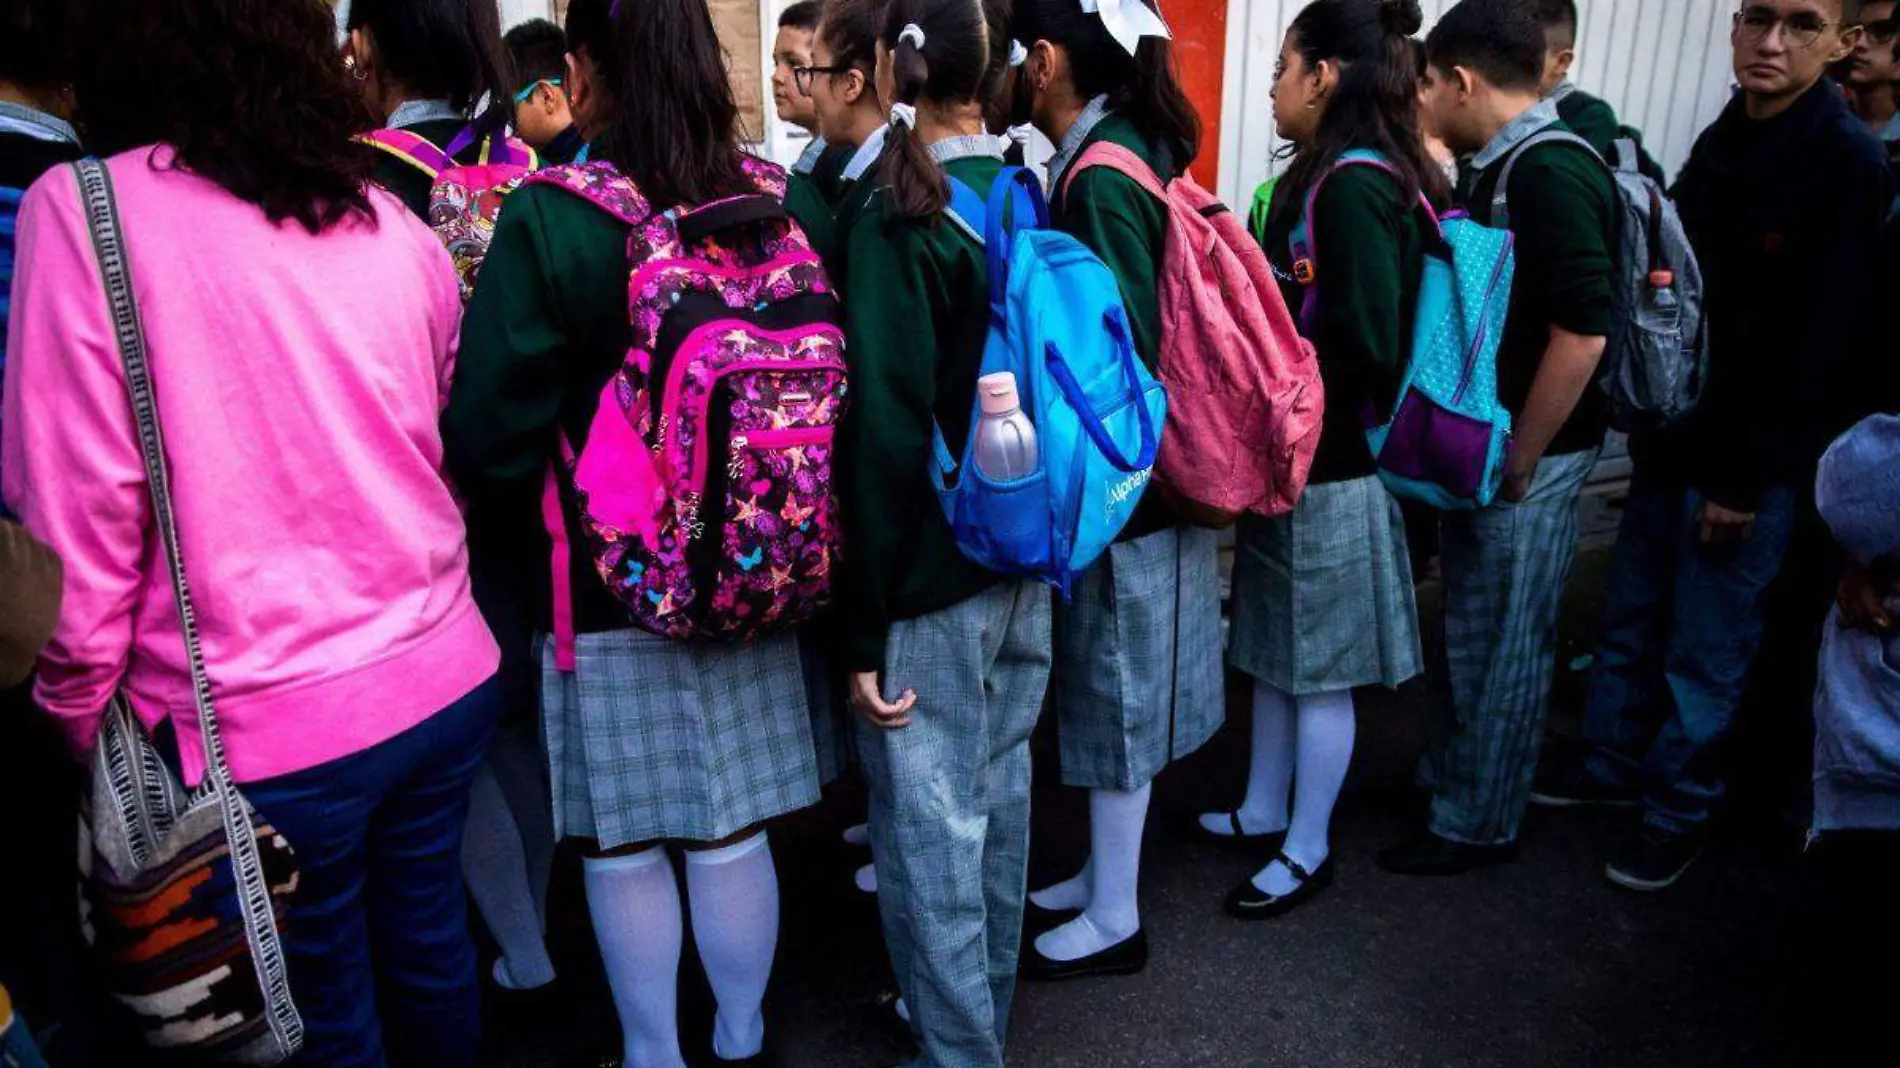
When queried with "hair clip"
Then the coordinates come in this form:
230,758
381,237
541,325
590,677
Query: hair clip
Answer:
1018,55
914,34
904,115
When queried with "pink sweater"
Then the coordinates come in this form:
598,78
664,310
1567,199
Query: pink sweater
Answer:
299,381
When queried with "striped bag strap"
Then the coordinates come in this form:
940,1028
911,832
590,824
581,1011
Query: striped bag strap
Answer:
260,926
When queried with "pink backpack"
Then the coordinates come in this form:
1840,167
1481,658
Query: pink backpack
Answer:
1244,393
465,201
705,484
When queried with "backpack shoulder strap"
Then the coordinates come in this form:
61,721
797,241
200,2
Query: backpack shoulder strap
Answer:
412,148
1501,197
968,211
601,185
1304,246
1116,158
509,152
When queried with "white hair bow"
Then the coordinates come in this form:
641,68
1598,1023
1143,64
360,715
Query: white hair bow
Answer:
1128,21
904,115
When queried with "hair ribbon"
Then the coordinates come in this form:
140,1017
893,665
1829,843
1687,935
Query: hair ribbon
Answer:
1128,21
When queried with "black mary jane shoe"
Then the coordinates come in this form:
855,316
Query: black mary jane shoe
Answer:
1126,957
1249,902
1272,841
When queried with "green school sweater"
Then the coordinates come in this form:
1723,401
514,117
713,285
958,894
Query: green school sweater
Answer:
1127,227
1563,212
545,331
1371,247
1594,120
410,185
914,305
812,199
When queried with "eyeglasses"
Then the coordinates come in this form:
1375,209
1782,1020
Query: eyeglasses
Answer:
523,96
1800,29
802,76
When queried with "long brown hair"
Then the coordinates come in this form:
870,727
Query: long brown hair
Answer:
949,69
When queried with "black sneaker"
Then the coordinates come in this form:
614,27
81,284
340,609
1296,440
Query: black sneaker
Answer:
1654,860
1569,784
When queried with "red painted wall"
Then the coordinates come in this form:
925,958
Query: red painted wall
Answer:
1200,49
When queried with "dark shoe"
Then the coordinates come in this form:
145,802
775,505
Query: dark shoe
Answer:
1249,902
1430,855
1569,784
1270,841
1126,957
1654,860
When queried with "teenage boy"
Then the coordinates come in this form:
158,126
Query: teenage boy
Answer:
537,63
1782,199
817,176
1873,73
1505,566
1589,117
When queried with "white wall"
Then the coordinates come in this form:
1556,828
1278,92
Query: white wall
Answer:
515,12
1663,64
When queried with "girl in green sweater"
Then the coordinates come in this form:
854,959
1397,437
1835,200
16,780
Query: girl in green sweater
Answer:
851,117
1323,598
1138,675
654,745
948,661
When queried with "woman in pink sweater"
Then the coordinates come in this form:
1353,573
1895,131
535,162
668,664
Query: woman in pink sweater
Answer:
301,327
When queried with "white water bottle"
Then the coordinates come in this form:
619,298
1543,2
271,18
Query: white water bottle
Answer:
1005,440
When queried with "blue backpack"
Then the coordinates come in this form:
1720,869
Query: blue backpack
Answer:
1057,323
1449,435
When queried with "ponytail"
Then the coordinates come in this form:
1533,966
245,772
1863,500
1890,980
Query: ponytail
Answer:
1141,84
939,55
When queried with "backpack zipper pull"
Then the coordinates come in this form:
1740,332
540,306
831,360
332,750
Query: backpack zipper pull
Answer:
734,463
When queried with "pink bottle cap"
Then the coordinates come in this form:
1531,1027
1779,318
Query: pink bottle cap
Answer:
997,393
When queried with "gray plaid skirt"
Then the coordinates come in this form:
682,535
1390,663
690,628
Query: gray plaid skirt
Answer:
1138,678
1323,598
825,690
650,738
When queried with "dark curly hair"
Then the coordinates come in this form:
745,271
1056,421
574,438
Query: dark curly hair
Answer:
35,42
249,94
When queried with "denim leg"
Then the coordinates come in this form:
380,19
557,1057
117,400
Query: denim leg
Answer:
324,813
418,910
1505,568
1627,699
1720,592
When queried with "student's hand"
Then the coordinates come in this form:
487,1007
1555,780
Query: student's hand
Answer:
1721,526
1863,603
1518,477
867,700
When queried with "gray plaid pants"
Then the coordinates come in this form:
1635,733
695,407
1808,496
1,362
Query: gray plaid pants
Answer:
950,814
1505,568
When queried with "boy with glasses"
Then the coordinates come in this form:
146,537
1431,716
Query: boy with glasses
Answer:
537,67
1783,199
1873,73
812,193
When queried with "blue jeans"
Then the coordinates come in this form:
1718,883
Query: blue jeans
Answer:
1681,628
381,963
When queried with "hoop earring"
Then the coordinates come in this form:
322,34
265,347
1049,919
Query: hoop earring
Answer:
361,74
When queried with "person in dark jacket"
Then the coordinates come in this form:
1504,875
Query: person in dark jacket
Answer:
1783,199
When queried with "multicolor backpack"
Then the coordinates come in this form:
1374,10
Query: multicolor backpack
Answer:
705,484
1244,395
465,201
1449,434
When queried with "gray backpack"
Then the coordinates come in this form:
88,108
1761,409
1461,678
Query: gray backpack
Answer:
1657,359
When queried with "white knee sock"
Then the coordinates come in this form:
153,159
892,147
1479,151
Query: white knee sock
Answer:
865,879
1326,731
635,904
858,835
1071,893
734,895
496,864
1112,915
1270,771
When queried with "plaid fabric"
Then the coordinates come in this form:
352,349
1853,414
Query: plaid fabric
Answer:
950,814
825,691
1138,680
1323,598
651,739
1505,568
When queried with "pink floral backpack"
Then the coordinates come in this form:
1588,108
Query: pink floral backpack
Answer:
1244,393
705,484
465,200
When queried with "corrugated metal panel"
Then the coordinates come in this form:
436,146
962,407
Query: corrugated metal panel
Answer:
1663,64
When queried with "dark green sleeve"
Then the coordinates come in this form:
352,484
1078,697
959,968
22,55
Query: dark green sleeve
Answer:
890,323
410,184
1591,119
1123,224
813,212
505,403
1359,325
1561,202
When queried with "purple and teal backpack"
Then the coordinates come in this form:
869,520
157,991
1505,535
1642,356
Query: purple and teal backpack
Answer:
705,485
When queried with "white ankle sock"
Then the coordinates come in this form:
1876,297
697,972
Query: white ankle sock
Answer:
865,879
1070,893
734,894
858,835
1270,769
635,904
1325,739
1112,915
495,863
